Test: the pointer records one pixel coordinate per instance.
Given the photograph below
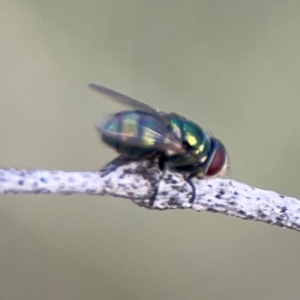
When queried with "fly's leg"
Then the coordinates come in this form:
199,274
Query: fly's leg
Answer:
162,167
188,179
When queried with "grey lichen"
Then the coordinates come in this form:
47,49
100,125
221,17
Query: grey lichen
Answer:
138,182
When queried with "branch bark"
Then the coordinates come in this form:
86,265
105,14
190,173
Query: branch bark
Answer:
137,181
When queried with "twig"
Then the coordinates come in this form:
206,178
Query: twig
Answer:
137,181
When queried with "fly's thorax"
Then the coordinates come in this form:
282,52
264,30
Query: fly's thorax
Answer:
195,140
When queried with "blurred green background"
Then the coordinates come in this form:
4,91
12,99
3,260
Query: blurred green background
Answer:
232,66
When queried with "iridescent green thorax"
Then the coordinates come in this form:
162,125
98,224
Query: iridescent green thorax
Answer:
195,139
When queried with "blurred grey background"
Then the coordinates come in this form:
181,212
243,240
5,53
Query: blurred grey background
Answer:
231,66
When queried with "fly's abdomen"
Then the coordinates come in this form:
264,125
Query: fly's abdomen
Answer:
134,133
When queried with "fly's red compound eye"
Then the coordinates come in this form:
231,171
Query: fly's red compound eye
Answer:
217,164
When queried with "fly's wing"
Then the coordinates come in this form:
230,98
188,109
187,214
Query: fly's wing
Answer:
120,98
135,134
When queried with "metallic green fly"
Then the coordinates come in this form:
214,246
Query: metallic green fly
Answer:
176,142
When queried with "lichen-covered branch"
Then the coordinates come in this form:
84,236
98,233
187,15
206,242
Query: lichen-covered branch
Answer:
138,180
